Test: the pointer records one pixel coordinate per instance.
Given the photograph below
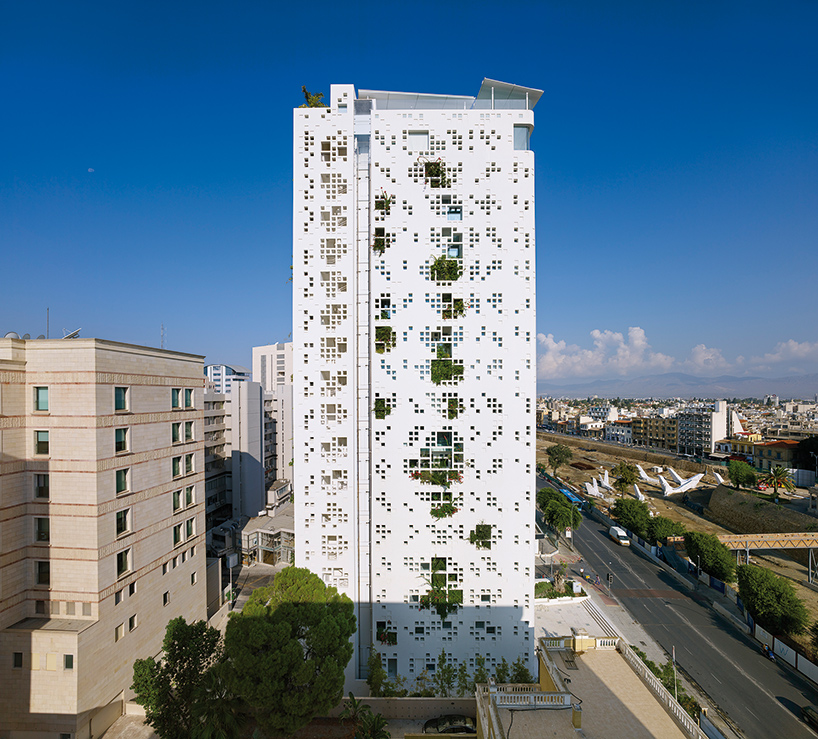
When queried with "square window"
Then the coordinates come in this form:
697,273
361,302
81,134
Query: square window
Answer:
121,481
117,597
119,632
43,573
121,440
177,500
188,398
70,608
123,522
123,562
17,660
40,398
188,463
42,529
41,486
176,432
188,430
68,661
188,496
177,466
120,399
132,589
86,609
41,442
132,623
165,598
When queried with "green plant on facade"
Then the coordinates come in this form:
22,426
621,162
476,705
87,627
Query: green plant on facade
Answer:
456,309
383,315
444,350
380,241
381,409
445,370
444,601
453,408
444,478
313,99
435,172
481,536
444,269
445,510
383,202
385,339
388,636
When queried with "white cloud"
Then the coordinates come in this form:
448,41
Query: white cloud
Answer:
788,351
705,360
612,354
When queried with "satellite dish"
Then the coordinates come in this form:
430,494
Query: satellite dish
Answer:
12,335
26,336
73,335
41,336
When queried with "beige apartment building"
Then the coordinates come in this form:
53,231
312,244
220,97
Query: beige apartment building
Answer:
101,524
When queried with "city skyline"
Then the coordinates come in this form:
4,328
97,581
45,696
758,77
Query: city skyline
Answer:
675,169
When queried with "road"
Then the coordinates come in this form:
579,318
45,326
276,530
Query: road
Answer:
762,698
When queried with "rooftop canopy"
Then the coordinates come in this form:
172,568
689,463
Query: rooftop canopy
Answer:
493,94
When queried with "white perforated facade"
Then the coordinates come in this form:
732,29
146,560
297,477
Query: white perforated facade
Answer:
414,368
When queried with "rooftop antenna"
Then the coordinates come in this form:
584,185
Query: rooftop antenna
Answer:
162,337
71,334
46,323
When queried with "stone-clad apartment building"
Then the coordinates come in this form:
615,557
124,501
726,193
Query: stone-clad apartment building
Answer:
101,524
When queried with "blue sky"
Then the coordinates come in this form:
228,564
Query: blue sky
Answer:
676,146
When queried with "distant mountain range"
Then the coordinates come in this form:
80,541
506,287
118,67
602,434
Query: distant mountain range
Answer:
678,385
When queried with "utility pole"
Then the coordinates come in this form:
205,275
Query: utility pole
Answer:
675,689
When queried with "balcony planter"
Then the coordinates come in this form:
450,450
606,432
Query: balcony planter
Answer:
444,269
381,409
390,638
444,478
445,370
435,173
453,408
385,339
383,202
481,536
446,510
444,601
381,240
455,309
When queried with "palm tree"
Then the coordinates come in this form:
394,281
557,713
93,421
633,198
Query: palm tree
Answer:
779,477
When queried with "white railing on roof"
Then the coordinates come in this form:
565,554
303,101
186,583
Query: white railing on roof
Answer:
682,717
607,642
554,642
544,700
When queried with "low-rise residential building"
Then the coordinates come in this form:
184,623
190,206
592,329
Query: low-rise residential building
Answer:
769,454
101,522
656,432
619,432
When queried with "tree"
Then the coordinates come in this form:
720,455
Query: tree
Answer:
168,689
367,725
465,685
561,515
377,675
626,476
779,477
771,600
660,528
445,675
481,674
217,713
287,650
501,672
520,672
558,455
634,515
711,555
313,100
741,474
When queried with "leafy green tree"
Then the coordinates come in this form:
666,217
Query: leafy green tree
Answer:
501,672
445,676
481,674
169,688
312,100
771,600
546,495
465,685
741,474
660,528
560,515
711,555
377,675
779,477
634,515
813,632
217,713
520,672
287,650
558,455
625,476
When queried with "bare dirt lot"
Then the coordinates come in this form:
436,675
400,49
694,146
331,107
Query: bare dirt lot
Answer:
672,508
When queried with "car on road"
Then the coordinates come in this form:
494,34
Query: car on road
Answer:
619,535
451,724
810,715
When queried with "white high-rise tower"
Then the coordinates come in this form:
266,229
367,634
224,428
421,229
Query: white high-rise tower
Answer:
414,368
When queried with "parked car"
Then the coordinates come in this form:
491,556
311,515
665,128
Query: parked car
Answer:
452,724
810,715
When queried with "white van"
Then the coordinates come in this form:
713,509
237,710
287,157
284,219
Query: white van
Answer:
619,536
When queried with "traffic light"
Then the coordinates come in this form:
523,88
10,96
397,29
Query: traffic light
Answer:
610,579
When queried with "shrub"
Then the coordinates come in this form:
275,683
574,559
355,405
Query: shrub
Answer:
771,600
481,536
436,174
457,309
445,270
453,408
445,370
383,202
660,528
381,409
385,339
445,510
634,515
